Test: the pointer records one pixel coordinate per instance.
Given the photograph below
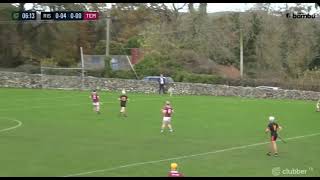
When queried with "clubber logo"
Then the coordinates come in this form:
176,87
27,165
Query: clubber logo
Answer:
276,171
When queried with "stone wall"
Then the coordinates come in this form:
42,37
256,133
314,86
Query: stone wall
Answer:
10,79
17,79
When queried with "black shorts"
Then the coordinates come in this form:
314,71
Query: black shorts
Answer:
123,104
274,137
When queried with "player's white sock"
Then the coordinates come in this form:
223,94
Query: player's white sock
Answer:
171,130
161,130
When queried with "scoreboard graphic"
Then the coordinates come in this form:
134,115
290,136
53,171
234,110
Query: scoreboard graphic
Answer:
56,16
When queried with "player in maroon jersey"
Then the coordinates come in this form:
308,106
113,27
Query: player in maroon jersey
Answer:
123,101
174,172
95,101
167,112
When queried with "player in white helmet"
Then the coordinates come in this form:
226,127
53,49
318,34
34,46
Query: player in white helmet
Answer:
273,128
123,103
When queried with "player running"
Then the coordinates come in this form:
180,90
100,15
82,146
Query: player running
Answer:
123,101
167,112
174,172
318,106
95,101
273,128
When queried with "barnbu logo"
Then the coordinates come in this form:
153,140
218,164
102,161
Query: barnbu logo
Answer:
302,16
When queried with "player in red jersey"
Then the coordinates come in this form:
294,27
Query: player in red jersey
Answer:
174,172
95,101
167,112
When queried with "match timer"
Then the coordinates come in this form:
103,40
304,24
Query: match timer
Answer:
24,15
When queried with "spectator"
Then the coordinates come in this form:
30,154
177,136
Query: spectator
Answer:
162,82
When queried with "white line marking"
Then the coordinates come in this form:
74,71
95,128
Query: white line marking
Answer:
183,157
13,127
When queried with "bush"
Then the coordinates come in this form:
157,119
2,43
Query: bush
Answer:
28,68
96,73
64,62
155,63
196,78
122,74
107,68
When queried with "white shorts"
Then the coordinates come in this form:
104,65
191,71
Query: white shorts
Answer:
122,109
96,103
166,120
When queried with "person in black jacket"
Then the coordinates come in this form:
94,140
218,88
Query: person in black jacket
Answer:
162,82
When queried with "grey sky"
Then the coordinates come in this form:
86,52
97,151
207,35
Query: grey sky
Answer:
218,7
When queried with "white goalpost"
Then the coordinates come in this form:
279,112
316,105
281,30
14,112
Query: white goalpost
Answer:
132,67
72,71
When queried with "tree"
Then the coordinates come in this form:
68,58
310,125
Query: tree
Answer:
203,9
191,8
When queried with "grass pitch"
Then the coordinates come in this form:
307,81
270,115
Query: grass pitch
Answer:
60,135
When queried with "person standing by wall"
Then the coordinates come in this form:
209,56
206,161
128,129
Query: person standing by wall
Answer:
162,82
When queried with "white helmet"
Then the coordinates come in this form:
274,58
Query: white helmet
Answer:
271,118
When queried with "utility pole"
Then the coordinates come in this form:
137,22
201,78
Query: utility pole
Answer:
82,69
241,54
107,33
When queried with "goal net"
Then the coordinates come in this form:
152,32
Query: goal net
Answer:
54,77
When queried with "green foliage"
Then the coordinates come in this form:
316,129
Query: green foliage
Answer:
96,73
28,68
59,61
49,62
196,78
108,69
315,63
123,74
133,42
155,63
116,48
100,47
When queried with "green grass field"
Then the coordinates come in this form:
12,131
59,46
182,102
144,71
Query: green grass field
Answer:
60,135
